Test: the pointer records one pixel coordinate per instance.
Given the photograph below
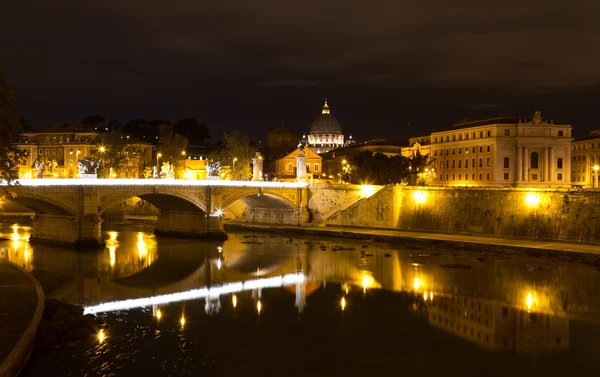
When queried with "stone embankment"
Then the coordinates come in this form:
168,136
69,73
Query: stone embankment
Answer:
21,309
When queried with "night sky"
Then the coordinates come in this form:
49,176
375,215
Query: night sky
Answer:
390,69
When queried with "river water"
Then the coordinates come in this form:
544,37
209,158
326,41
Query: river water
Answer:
269,304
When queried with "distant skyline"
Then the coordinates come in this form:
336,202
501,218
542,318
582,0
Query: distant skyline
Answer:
391,69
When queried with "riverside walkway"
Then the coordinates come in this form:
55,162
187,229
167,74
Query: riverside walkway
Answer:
391,235
21,308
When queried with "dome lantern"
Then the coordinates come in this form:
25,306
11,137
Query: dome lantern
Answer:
325,108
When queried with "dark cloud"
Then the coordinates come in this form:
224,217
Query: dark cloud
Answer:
249,65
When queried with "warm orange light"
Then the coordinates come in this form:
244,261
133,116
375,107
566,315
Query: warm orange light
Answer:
159,155
234,300
101,336
343,303
102,149
182,321
258,306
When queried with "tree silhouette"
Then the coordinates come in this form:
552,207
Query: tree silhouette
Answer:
92,120
10,156
196,133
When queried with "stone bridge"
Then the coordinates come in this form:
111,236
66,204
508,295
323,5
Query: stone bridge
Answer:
69,211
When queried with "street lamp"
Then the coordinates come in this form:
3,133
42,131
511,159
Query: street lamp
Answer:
596,168
234,160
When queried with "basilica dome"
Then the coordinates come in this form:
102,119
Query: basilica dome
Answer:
325,133
326,123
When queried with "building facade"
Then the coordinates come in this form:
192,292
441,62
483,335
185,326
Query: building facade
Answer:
60,150
503,152
286,166
586,160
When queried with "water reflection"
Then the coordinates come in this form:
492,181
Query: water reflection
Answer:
496,325
497,303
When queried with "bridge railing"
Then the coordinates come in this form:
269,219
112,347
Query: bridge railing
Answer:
155,182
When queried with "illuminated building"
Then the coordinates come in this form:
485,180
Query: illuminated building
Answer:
65,147
285,167
503,152
585,155
325,132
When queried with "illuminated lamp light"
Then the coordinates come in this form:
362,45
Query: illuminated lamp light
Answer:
420,196
532,200
234,300
101,336
343,303
368,190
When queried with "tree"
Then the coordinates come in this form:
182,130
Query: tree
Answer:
92,120
368,168
134,128
196,133
237,149
420,169
130,161
10,156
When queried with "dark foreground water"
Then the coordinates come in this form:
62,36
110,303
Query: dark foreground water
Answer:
345,308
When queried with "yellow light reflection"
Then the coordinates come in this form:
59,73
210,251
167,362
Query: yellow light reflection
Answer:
425,297
219,264
258,306
343,303
112,236
234,300
431,296
367,281
101,336
532,200
530,301
182,321
159,315
417,284
141,245
420,196
345,288
112,254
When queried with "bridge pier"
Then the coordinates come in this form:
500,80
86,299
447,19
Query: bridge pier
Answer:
189,224
76,231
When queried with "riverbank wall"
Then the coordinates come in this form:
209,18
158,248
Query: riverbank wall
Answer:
546,214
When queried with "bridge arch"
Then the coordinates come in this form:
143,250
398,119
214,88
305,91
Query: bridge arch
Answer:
261,200
42,205
166,200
